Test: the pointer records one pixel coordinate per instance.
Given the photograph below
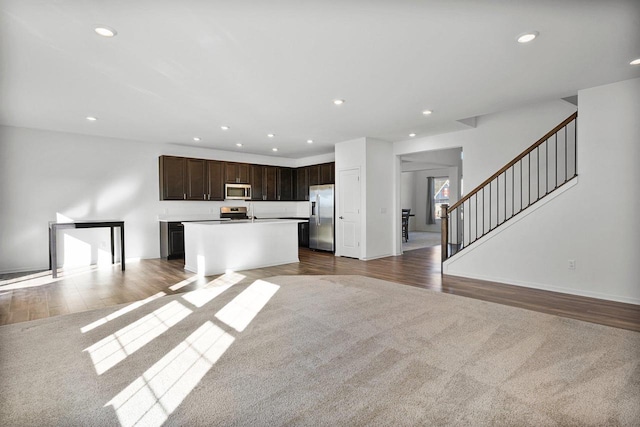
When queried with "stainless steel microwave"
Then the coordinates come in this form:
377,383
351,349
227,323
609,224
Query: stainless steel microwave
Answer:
237,191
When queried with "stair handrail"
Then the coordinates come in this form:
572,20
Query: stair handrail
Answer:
459,209
515,160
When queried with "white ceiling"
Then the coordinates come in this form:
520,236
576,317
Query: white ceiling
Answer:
179,69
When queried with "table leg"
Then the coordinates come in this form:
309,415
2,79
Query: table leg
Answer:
113,251
53,256
122,246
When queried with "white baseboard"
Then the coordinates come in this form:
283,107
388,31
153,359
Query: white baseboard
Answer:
46,267
24,269
376,257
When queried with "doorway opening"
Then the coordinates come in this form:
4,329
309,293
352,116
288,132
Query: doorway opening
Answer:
428,180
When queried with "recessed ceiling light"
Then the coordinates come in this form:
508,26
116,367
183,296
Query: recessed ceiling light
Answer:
427,112
338,101
195,138
527,37
635,62
238,145
225,127
412,135
91,118
105,31
274,149
309,141
270,135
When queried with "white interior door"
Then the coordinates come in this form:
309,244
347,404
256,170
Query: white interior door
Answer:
349,213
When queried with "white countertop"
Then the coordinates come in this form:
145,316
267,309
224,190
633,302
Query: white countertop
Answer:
246,221
204,218
183,218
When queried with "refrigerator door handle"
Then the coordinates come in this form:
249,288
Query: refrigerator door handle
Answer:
318,205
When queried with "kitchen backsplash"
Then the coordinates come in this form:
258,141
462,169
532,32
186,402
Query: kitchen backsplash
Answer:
191,210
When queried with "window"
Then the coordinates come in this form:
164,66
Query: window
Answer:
441,188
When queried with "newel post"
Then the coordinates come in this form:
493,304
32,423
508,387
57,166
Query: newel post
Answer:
444,220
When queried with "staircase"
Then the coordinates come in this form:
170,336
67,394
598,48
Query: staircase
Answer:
537,172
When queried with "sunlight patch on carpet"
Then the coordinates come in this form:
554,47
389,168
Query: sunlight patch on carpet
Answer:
120,312
153,396
110,351
242,309
200,297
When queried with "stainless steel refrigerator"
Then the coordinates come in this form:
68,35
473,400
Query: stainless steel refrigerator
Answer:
321,221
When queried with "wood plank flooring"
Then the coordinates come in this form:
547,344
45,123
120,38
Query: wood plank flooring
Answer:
41,296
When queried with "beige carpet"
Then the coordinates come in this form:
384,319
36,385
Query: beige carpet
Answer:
321,351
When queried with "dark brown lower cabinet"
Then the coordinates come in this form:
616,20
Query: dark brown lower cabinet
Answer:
171,240
303,234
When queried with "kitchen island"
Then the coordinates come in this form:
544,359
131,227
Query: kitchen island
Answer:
217,247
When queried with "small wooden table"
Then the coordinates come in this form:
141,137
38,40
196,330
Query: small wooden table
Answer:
55,226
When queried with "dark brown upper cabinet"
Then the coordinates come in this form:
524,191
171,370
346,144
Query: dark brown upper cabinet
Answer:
256,181
285,184
237,172
196,183
263,182
172,178
319,174
215,177
301,183
327,174
314,175
184,178
270,183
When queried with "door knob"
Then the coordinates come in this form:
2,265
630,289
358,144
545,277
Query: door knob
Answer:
341,217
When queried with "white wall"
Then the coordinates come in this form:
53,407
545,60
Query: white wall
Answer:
46,174
407,190
379,205
419,171
495,140
351,155
312,160
375,160
594,222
